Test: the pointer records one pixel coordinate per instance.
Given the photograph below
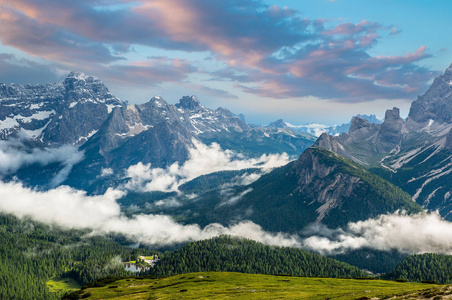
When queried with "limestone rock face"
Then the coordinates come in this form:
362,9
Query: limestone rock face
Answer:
436,103
358,123
68,112
414,154
320,187
449,140
390,134
278,124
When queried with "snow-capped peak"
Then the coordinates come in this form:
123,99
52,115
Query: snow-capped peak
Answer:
79,76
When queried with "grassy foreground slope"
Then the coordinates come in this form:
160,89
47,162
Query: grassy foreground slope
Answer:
223,285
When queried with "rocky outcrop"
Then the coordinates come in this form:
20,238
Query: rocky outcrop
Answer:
320,187
278,124
68,112
316,173
436,103
390,134
331,143
189,103
449,140
358,123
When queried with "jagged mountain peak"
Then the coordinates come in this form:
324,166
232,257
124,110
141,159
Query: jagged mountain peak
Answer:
79,76
52,114
436,103
371,118
224,112
189,103
358,123
76,80
157,101
449,69
278,124
392,114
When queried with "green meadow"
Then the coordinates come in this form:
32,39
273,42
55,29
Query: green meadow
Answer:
61,285
227,285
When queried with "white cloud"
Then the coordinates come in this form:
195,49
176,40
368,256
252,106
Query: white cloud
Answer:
13,156
420,233
203,160
230,199
74,209
170,202
244,179
106,172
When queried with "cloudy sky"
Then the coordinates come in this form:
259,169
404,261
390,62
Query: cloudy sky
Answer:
301,60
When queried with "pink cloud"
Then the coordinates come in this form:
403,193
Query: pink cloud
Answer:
350,28
272,47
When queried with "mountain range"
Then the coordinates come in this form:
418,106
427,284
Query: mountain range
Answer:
112,135
318,129
187,172
320,187
67,112
415,154
375,168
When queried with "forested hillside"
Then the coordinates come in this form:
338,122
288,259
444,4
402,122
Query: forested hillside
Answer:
321,186
232,254
429,267
31,253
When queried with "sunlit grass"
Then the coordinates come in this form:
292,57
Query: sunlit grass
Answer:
62,285
225,285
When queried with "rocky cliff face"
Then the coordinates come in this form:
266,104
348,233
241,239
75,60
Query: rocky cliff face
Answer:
390,133
278,124
448,144
320,187
436,103
358,123
68,112
333,186
81,111
416,154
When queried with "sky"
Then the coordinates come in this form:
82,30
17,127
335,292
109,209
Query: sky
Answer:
300,60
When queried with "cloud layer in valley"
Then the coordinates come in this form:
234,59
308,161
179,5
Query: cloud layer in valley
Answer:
203,160
71,208
74,209
13,156
422,233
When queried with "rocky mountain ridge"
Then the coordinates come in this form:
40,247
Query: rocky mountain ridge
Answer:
414,154
318,129
68,112
320,187
113,136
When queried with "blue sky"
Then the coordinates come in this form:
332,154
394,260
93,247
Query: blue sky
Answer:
419,22
300,60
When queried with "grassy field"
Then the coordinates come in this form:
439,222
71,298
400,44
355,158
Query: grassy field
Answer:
223,285
149,257
62,285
